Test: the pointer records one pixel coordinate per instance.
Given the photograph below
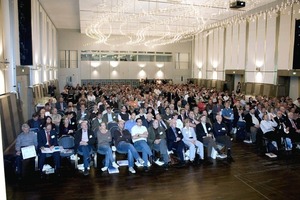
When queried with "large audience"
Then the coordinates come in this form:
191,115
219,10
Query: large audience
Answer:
164,124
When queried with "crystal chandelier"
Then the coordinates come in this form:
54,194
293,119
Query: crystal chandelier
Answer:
156,22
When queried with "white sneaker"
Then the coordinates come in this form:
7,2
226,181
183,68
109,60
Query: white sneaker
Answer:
248,141
103,169
141,161
222,156
132,170
298,146
115,165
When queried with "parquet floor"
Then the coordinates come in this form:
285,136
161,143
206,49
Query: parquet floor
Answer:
251,176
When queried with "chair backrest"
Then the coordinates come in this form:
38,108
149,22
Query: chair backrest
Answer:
111,124
67,142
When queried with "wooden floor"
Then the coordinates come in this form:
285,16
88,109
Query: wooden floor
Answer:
251,176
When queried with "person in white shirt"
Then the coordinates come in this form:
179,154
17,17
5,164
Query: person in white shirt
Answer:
91,97
297,102
267,126
190,139
139,135
179,123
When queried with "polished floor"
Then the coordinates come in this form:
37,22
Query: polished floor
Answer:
251,176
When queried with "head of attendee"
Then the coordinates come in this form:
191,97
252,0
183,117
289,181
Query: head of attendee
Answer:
84,125
121,124
132,116
108,110
173,123
203,119
219,118
139,122
155,124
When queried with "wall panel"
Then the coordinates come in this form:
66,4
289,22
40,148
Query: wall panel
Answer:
284,40
242,46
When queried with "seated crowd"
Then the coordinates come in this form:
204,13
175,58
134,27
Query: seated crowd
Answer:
161,121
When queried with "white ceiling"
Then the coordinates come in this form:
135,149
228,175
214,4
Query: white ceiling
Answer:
142,17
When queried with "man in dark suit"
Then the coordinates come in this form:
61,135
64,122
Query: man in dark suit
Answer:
157,140
292,131
61,105
47,138
174,141
204,135
84,142
109,116
51,89
220,132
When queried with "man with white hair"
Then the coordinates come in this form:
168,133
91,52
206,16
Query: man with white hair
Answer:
24,139
174,141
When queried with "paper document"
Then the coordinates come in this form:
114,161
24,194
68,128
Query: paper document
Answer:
55,149
28,152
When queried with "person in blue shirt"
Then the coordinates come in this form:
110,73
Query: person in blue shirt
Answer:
221,133
131,122
35,123
227,114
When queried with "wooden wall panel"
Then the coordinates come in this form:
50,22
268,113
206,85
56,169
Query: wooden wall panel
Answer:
11,118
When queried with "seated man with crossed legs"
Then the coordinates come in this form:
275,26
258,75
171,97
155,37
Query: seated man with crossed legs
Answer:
157,141
174,141
47,138
190,139
221,133
84,142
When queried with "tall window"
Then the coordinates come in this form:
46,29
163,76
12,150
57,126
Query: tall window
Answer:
182,61
68,59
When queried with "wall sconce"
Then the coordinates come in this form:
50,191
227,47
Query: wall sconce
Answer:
160,65
214,69
114,63
36,68
199,65
95,64
259,64
142,65
215,64
4,65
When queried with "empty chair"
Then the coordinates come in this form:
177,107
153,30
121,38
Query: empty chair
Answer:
112,124
67,142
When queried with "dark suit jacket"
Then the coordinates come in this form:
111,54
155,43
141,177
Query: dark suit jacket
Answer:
105,117
151,135
249,123
171,137
78,136
200,133
31,123
288,123
57,105
42,139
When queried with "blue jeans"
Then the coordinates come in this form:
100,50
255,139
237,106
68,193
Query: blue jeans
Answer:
85,151
125,147
163,149
106,150
142,146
